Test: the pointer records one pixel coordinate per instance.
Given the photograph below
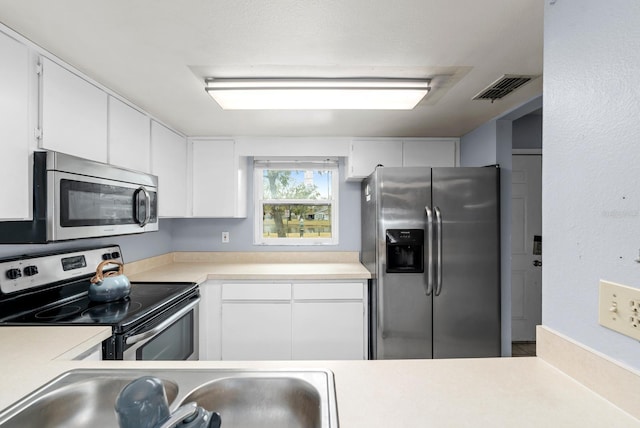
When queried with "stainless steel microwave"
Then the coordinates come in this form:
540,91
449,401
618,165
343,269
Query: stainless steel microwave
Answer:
77,198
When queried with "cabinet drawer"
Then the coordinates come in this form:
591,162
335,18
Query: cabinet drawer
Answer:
258,291
328,291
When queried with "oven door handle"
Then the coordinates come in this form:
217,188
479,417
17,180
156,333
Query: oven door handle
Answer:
164,324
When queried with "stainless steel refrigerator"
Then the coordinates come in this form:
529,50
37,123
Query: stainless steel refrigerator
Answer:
431,240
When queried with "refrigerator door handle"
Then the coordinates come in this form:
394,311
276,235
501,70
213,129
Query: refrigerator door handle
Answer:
429,288
439,244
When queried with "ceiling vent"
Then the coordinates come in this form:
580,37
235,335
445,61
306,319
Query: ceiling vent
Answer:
502,87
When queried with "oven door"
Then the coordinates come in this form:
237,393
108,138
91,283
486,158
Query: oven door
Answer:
82,207
173,336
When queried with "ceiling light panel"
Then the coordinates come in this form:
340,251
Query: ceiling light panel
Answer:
317,94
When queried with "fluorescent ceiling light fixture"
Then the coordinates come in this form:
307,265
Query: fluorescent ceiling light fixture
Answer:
317,94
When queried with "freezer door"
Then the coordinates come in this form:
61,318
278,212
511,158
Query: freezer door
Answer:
403,313
466,308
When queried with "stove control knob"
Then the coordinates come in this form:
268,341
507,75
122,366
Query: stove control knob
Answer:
115,255
13,273
31,270
106,256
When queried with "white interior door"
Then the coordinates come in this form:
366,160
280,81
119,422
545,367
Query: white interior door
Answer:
526,247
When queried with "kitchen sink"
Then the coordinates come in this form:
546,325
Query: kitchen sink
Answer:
243,398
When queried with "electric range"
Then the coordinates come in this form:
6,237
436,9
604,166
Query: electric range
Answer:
158,320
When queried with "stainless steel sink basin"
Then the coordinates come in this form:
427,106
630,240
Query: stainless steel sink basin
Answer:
244,398
264,401
75,400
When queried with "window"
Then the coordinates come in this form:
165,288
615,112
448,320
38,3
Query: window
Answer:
296,202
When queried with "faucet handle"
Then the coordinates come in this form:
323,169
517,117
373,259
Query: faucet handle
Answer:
191,415
187,414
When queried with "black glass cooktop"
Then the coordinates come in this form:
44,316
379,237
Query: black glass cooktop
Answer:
144,301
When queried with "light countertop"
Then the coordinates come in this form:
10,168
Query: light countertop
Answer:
488,392
492,392
200,266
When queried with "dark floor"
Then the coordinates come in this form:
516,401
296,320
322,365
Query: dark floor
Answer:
523,349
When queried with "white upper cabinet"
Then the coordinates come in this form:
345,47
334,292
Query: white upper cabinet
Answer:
15,74
430,152
74,114
129,137
169,163
219,179
365,155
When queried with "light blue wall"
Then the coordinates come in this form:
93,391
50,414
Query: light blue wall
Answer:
527,132
591,170
478,147
134,247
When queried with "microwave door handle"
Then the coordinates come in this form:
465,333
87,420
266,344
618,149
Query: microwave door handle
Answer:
136,206
147,203
147,198
429,289
439,244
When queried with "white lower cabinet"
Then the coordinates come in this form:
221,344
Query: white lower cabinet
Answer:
328,331
283,320
256,331
256,321
329,320
93,354
210,316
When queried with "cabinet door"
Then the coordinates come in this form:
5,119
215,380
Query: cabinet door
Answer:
214,178
210,316
169,163
429,152
256,331
328,331
74,114
14,129
365,155
129,137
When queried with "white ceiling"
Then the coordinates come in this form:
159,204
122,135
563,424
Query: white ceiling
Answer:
155,53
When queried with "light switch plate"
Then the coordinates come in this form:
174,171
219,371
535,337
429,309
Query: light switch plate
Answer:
619,308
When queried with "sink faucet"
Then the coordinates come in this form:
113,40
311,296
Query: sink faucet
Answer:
143,404
192,416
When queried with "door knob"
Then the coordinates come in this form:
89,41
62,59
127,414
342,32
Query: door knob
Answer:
537,263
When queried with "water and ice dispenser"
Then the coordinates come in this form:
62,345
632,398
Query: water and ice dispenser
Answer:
405,250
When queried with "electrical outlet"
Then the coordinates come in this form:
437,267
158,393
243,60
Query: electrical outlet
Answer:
619,308
225,237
